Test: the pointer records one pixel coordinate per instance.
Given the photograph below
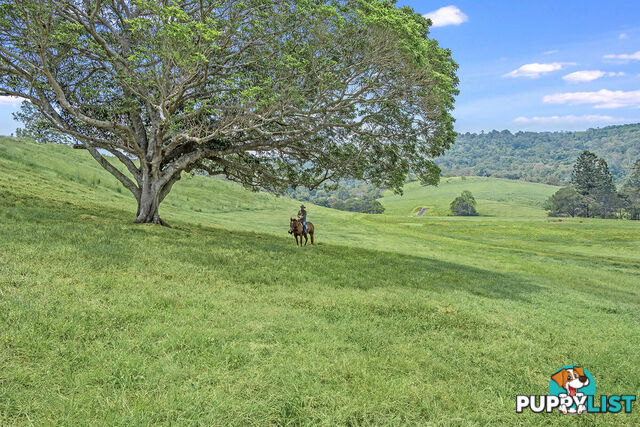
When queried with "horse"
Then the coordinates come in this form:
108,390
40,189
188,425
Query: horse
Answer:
297,230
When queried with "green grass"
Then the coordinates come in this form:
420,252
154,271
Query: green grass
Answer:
221,320
495,197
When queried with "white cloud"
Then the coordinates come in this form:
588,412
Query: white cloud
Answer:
583,76
623,36
571,119
12,101
448,15
589,75
601,99
625,56
536,69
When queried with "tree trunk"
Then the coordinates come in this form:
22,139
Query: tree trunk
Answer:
148,203
151,194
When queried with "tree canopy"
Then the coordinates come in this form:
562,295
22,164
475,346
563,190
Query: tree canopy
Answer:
464,204
270,94
565,201
592,180
589,173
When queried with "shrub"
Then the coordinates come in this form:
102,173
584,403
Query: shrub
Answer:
565,201
464,205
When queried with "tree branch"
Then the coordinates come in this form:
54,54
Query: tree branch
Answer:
114,171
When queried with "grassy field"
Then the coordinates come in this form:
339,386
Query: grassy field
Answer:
495,197
221,320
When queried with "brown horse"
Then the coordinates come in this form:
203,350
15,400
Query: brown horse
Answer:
297,230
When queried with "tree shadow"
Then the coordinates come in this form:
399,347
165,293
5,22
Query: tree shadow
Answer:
348,267
245,257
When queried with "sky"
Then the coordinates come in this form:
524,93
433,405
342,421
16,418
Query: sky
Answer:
540,65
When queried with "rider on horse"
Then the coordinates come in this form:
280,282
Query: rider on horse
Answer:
299,227
302,216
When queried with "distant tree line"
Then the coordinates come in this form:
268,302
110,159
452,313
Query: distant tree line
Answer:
592,192
351,195
545,157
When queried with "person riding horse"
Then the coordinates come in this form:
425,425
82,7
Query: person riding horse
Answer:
302,217
299,227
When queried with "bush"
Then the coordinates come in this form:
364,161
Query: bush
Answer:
565,201
464,205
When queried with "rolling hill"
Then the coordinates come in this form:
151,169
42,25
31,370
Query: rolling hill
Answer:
391,319
495,197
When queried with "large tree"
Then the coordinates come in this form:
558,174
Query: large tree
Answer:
587,173
592,179
269,93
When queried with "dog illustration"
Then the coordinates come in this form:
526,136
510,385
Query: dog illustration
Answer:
571,379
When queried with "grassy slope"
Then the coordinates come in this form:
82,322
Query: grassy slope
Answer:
222,320
495,197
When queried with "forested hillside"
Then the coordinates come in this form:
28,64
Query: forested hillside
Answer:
541,156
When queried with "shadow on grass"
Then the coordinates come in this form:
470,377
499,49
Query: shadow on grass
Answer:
107,240
276,260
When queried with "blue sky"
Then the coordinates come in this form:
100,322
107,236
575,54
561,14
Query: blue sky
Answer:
541,65
530,65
